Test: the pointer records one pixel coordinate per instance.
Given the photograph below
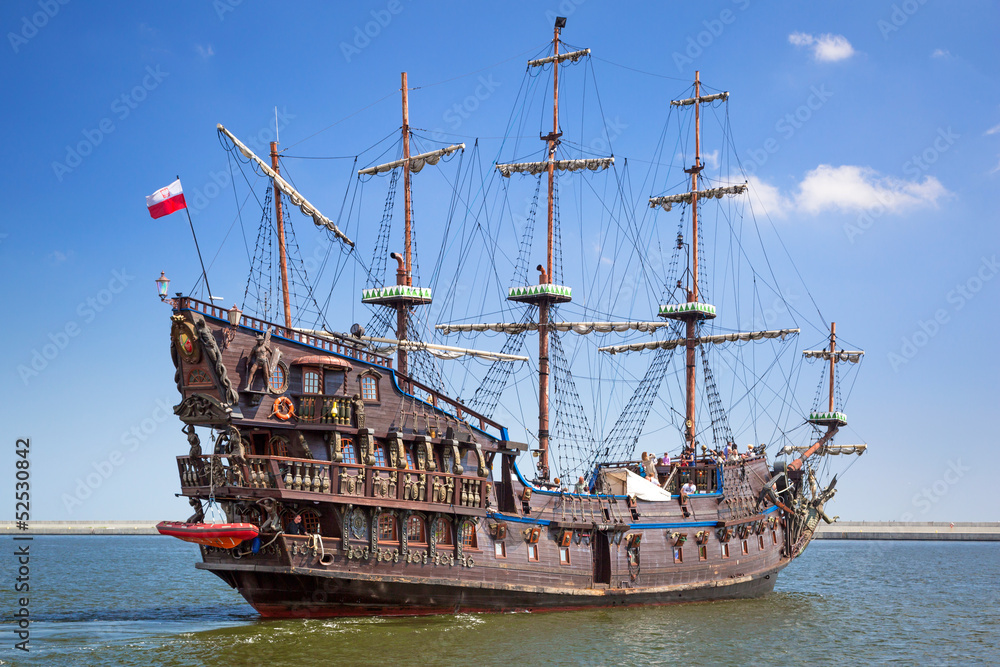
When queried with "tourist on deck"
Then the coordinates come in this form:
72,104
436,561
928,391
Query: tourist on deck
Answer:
688,489
665,459
581,486
687,458
294,526
651,468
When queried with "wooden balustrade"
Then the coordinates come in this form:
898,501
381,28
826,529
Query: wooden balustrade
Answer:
339,479
321,409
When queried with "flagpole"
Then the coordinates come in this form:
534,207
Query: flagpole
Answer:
200,260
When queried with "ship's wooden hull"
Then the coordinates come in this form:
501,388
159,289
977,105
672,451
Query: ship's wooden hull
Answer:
314,593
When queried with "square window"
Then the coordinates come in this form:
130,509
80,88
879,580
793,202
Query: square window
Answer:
702,552
564,555
500,549
725,550
532,552
678,554
746,547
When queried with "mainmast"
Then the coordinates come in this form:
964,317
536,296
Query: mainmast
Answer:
405,275
547,274
280,223
694,311
403,296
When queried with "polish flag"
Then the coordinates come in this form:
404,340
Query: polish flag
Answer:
166,200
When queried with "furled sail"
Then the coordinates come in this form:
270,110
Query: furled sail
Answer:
593,164
833,450
417,162
575,327
702,99
717,339
443,351
668,201
853,356
293,195
572,55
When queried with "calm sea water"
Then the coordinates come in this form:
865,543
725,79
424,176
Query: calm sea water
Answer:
139,601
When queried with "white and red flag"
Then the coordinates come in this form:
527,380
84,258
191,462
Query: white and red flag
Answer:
166,200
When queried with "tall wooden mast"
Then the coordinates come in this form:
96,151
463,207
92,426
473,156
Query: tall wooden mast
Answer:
280,223
691,328
404,275
547,273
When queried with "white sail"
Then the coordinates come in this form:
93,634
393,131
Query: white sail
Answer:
417,162
715,340
575,327
572,55
853,356
593,164
293,195
668,201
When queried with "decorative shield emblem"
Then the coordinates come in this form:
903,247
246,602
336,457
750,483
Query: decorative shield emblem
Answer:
186,340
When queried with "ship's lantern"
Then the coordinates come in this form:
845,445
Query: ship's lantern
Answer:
163,285
234,315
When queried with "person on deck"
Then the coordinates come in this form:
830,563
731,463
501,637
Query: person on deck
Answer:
581,486
651,468
294,526
688,489
665,459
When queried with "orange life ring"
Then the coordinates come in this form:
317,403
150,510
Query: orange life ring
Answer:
283,408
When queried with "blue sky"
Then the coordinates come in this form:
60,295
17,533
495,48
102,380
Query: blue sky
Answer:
872,128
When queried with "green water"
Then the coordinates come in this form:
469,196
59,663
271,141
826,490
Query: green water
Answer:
139,601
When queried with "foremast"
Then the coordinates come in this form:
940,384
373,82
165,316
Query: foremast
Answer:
546,294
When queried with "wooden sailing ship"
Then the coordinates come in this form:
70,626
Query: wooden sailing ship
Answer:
412,502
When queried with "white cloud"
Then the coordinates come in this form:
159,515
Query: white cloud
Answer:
993,130
854,188
826,48
941,53
848,189
764,196
712,159
205,52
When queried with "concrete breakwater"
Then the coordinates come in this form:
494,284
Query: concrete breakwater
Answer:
910,530
842,530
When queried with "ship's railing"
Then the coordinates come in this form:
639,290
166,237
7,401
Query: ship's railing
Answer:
337,479
186,302
705,476
320,409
